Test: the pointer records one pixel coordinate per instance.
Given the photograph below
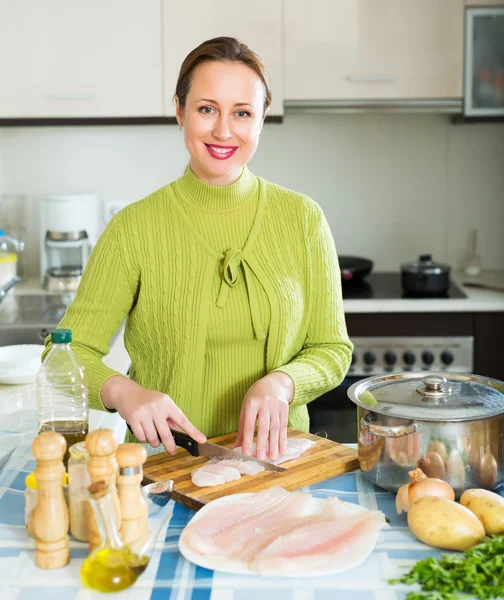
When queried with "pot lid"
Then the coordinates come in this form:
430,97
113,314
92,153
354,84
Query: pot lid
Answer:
429,396
425,265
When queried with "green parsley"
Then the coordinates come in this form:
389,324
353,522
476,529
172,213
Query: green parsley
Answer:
478,572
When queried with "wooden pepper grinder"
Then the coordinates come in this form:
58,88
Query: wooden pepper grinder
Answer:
50,517
101,445
134,511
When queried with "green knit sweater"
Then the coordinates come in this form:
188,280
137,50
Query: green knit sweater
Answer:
220,286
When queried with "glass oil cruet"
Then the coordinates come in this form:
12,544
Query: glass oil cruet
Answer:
114,566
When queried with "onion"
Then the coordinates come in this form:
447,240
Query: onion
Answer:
421,486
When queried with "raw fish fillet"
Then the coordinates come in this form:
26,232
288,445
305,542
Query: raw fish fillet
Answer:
197,534
246,467
295,447
203,478
332,507
232,540
342,542
223,473
228,472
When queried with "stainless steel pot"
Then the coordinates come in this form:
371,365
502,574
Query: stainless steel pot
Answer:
451,425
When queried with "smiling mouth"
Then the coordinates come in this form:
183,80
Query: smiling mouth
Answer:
221,152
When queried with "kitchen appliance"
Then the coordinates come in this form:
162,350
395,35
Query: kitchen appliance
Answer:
68,231
484,62
449,421
354,268
425,277
386,342
387,286
323,460
335,414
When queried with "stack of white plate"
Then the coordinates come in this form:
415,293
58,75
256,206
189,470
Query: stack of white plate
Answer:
18,418
20,364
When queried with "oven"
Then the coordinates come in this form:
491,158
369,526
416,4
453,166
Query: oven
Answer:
393,342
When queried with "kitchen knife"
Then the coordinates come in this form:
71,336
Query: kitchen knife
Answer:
214,451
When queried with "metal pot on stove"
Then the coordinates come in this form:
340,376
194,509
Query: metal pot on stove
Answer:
425,277
451,425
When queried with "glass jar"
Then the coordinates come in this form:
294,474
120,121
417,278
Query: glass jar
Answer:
78,483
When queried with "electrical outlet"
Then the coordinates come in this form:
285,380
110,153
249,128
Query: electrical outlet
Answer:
110,208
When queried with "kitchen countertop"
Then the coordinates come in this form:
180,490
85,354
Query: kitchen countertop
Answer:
169,575
478,300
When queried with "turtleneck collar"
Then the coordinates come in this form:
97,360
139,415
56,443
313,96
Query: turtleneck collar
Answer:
215,197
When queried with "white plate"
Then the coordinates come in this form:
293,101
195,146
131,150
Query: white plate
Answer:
19,364
227,565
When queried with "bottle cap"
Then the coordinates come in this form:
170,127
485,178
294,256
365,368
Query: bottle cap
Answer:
79,451
31,482
8,257
61,336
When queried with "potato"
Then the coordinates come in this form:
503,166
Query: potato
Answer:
443,523
488,507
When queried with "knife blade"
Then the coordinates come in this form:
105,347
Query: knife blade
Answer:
215,451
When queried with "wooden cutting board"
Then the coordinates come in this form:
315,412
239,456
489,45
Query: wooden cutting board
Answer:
324,460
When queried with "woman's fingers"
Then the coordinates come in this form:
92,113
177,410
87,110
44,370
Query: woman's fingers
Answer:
282,434
274,430
248,428
150,431
165,435
137,429
263,430
183,422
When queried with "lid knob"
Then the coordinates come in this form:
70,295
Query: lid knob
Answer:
434,382
434,387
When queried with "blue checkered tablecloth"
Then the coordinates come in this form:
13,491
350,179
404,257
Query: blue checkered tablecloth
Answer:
170,577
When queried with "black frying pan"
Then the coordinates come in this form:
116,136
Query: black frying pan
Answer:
354,268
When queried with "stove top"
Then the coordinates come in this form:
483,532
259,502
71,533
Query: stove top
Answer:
387,286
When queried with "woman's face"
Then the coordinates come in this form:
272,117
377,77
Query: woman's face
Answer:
222,120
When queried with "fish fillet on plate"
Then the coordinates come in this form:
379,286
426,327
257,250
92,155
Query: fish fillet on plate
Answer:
218,472
280,533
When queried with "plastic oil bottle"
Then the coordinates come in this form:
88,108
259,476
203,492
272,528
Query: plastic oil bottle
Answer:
62,392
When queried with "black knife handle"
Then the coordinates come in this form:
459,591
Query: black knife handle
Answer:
182,440
186,442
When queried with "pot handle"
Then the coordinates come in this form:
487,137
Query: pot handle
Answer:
386,431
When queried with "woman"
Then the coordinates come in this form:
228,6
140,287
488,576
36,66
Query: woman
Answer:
230,284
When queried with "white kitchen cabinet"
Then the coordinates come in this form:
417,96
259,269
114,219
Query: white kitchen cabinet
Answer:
364,49
70,59
189,23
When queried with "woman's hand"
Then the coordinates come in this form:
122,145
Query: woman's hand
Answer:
149,414
267,401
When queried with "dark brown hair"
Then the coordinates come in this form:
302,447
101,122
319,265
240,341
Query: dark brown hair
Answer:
220,49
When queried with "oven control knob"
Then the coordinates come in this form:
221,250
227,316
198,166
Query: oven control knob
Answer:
428,357
390,357
409,358
354,359
369,358
447,357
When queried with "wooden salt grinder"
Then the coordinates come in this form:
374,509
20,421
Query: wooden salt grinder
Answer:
50,517
134,511
101,445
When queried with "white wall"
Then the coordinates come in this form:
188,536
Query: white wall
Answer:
392,185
